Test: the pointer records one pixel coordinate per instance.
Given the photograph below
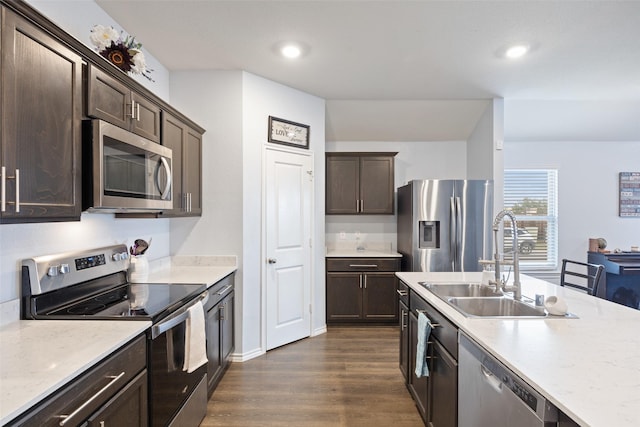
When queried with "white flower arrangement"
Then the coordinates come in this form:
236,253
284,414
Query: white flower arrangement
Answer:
123,52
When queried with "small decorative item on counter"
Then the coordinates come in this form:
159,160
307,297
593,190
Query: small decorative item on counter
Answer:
139,265
123,52
556,306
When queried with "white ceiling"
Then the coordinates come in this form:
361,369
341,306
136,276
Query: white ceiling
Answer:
413,70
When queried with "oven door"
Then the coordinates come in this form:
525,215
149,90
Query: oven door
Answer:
170,386
129,172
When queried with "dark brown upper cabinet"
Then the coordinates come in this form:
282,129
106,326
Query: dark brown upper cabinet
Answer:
111,100
41,117
186,144
360,183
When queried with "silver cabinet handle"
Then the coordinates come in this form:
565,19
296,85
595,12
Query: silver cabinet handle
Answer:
138,111
3,189
365,282
402,293
189,198
363,265
223,291
167,187
184,202
403,325
132,113
433,325
272,260
17,177
114,379
222,310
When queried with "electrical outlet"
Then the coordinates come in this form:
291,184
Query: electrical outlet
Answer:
343,235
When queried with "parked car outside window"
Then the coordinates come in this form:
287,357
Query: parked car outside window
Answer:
526,242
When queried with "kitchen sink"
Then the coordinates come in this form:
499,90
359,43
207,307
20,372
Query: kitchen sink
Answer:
445,290
495,307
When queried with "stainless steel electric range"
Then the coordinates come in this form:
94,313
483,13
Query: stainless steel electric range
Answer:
93,285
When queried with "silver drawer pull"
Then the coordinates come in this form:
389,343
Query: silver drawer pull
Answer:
433,325
402,293
224,290
363,265
66,418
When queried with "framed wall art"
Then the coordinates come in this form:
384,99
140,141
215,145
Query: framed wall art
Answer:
630,194
288,133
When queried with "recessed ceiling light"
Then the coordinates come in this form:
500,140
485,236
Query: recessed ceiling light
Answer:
516,51
291,51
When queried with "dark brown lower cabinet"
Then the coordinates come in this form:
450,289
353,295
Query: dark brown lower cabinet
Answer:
361,290
113,393
219,330
435,396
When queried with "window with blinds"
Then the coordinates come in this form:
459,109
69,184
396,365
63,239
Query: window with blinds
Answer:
532,195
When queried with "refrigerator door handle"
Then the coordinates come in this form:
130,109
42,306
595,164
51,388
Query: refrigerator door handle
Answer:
458,258
453,248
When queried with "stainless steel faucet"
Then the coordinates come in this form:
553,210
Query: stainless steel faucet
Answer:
516,288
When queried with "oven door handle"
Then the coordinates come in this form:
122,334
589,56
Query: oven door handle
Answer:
172,322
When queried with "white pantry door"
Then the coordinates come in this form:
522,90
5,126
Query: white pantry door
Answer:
289,189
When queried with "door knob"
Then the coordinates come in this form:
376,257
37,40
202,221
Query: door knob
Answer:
272,260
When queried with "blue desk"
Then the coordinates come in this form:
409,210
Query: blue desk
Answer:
622,276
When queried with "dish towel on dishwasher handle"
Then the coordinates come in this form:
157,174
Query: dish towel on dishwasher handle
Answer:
195,344
424,330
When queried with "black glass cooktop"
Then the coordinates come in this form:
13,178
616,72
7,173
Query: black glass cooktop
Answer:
131,301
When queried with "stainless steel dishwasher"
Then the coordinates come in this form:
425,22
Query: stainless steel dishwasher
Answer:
491,395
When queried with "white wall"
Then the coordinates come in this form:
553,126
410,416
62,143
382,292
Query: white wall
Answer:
234,107
587,189
415,160
77,17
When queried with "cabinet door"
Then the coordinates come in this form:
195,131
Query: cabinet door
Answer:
41,124
380,296
376,185
108,99
443,408
344,296
192,171
342,184
226,317
186,145
146,122
404,339
128,408
213,345
418,387
173,136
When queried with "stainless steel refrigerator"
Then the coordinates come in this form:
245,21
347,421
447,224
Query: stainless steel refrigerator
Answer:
445,225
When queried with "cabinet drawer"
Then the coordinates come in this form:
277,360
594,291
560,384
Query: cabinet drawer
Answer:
403,292
446,332
90,391
363,264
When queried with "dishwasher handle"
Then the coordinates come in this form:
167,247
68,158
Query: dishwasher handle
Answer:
493,381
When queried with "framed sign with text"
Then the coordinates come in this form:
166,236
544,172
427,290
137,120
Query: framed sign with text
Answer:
289,133
630,194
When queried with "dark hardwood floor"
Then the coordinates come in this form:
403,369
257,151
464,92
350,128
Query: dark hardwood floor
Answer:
346,377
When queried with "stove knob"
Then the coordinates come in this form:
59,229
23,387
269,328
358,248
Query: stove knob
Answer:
124,255
53,271
116,257
64,268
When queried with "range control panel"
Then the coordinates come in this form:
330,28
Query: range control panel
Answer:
51,272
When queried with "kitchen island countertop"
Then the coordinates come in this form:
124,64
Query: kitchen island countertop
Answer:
588,367
39,357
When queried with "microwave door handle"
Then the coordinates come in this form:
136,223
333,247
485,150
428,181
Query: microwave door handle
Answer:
167,187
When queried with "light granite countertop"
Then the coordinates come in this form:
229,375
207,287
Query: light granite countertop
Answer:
37,357
588,367
191,269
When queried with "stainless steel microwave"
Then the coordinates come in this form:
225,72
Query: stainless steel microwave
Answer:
124,172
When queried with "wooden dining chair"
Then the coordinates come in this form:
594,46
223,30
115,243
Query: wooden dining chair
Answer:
581,275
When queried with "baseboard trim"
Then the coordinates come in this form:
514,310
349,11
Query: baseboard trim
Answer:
243,357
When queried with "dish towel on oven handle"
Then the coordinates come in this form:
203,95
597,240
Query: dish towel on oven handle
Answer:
424,330
195,351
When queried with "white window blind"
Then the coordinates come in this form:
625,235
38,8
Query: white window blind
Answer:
532,195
